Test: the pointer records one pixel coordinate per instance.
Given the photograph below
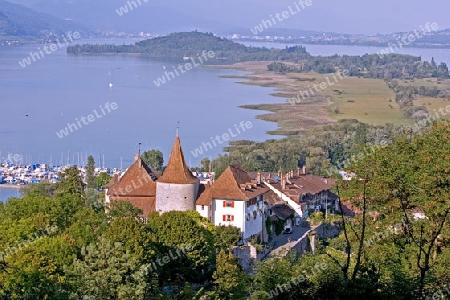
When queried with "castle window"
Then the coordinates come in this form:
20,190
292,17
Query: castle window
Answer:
203,207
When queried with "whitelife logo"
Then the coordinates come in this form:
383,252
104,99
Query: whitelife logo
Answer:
124,9
225,137
281,16
411,38
49,49
86,120
339,75
187,66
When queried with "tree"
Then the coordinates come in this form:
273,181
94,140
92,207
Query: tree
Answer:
43,188
107,271
205,164
134,236
153,158
102,179
71,183
91,181
35,271
179,230
409,182
229,278
226,236
123,208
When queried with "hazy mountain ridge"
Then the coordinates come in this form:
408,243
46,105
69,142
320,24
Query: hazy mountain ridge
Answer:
21,22
133,18
104,16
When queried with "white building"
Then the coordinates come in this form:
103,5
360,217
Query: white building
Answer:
237,200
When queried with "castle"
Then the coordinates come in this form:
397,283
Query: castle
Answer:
239,198
176,189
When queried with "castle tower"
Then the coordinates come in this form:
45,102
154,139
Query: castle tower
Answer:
177,188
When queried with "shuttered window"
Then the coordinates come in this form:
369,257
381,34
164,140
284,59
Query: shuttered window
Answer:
228,218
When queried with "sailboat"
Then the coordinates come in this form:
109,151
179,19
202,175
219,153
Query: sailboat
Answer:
110,83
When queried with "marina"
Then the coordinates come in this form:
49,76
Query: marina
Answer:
15,176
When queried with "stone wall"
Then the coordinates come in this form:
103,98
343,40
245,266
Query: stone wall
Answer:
170,196
312,237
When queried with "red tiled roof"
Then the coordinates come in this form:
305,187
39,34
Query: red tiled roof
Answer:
228,185
300,184
137,181
272,198
147,204
282,211
113,181
204,195
177,170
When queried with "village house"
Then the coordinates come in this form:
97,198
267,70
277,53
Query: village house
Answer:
238,198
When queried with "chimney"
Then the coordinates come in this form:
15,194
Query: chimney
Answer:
298,171
292,174
280,174
283,183
258,178
136,157
326,181
304,169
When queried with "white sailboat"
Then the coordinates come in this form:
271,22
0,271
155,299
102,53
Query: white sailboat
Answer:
110,81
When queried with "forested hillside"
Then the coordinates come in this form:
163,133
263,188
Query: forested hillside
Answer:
19,21
192,44
58,242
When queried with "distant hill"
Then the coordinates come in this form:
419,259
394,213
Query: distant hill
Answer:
193,44
109,16
18,21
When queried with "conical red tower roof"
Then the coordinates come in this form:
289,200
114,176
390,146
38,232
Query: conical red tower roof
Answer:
177,170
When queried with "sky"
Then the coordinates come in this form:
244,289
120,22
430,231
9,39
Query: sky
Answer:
346,16
343,16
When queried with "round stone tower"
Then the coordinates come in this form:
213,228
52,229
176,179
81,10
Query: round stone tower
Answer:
177,188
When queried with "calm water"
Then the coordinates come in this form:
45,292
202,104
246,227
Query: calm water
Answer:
8,193
41,99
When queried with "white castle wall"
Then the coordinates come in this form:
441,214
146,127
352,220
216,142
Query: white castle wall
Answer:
170,196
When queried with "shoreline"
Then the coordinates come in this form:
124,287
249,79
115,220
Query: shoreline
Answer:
10,186
291,120
327,107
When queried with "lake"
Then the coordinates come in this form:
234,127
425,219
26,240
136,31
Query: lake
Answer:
58,91
38,101
6,193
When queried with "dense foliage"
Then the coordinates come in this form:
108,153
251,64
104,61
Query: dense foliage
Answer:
289,59
367,65
20,21
193,44
323,150
56,245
